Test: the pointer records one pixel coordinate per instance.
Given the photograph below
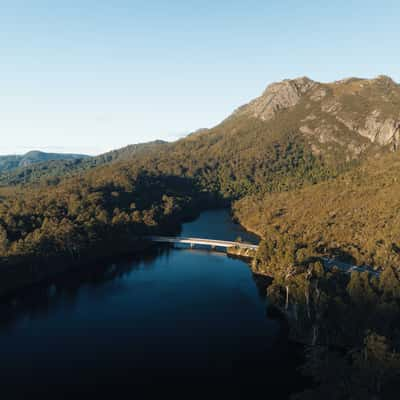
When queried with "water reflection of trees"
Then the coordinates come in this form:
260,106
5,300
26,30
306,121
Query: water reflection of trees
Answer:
40,300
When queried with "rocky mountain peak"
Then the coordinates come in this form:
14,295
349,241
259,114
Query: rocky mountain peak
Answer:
386,79
297,85
352,114
278,96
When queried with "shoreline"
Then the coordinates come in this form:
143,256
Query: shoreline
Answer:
19,273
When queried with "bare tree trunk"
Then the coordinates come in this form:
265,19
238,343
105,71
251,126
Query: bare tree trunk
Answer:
315,335
307,294
287,298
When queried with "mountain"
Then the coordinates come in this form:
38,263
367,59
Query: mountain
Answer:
298,131
354,123
126,153
352,113
48,168
11,162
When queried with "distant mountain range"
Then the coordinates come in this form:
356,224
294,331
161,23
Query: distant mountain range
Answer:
36,166
11,162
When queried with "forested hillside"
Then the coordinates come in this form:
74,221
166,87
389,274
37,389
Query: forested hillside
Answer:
9,163
354,217
297,134
85,218
53,170
298,131
349,323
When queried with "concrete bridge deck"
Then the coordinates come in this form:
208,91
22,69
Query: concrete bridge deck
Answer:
201,241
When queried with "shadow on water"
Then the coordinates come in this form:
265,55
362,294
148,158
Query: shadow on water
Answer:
39,299
191,323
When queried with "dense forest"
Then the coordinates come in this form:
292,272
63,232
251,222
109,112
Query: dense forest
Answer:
38,168
104,213
350,323
354,217
73,212
12,162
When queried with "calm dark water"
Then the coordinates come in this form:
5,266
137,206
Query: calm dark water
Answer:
217,224
190,322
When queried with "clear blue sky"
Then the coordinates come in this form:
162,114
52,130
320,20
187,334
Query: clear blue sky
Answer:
93,75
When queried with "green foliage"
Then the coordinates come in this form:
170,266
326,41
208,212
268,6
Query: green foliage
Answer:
278,253
350,322
353,217
9,163
3,240
74,220
50,169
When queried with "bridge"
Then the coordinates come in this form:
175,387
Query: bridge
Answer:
213,244
203,242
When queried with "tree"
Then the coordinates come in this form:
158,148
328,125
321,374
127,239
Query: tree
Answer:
377,363
360,289
3,242
389,283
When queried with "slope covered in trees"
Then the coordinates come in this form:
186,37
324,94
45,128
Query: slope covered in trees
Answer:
263,148
51,171
11,162
45,229
298,131
350,324
354,217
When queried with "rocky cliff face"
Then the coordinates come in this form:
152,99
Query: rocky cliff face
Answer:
278,96
382,131
353,115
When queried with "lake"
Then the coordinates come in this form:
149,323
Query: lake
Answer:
184,320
